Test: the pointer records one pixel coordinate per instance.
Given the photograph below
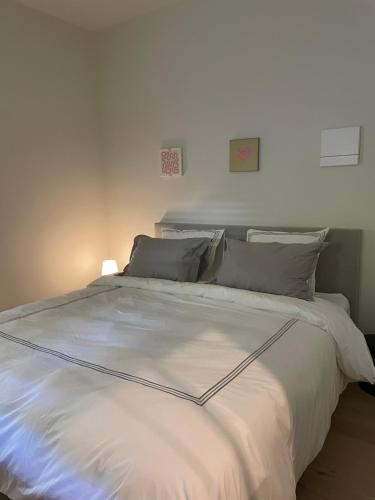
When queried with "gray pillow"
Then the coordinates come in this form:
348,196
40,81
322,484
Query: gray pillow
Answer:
277,268
176,260
212,258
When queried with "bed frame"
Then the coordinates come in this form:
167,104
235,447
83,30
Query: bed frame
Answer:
339,265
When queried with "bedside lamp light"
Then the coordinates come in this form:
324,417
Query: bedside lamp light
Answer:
109,267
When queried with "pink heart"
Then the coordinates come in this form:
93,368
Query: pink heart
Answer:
243,153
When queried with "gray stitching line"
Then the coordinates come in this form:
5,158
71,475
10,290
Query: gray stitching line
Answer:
247,361
148,383
49,308
254,354
94,366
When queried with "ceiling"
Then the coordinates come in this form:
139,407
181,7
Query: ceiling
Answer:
96,14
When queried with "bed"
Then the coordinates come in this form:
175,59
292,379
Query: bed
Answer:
147,389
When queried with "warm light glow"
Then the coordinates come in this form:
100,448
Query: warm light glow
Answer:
109,267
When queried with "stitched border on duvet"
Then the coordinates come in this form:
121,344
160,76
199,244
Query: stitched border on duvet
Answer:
200,401
56,306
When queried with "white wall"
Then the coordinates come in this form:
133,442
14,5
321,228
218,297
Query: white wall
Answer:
51,200
206,71
196,74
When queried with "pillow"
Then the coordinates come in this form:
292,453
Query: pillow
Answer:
269,267
176,260
264,236
211,260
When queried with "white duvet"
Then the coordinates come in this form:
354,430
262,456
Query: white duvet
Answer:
139,389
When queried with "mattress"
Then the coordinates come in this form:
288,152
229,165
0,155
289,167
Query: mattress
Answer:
335,298
141,389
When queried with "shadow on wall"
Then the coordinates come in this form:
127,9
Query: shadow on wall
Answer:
215,213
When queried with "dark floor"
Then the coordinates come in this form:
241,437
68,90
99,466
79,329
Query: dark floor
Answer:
345,468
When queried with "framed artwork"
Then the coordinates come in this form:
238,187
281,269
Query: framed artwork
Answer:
340,146
171,162
244,155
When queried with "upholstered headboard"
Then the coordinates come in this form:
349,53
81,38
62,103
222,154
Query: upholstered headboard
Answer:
339,265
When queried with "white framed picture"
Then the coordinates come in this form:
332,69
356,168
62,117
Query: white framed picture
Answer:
340,146
171,162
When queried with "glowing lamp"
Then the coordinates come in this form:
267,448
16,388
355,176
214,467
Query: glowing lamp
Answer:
109,267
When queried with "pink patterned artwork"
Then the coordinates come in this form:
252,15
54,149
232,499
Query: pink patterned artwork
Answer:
244,155
171,162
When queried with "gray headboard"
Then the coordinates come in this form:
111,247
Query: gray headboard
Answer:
339,265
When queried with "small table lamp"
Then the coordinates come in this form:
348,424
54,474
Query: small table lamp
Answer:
109,267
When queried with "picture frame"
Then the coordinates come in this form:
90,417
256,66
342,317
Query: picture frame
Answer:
171,162
244,155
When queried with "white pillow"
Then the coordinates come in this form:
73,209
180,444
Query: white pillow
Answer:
289,237
215,235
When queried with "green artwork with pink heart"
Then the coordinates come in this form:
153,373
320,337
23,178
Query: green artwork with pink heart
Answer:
244,155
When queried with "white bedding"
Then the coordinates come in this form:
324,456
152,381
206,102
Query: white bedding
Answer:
138,389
